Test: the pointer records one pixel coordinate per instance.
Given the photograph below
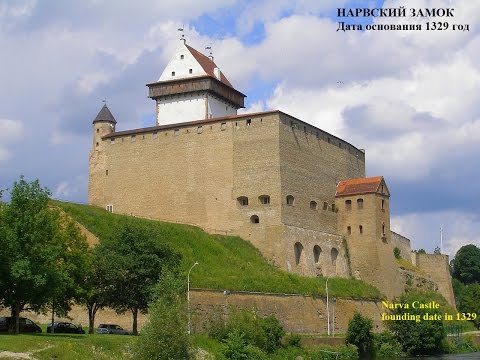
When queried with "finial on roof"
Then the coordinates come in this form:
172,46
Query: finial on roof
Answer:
105,114
210,56
104,100
183,35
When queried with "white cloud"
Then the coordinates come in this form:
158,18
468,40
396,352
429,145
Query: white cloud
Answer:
423,229
10,132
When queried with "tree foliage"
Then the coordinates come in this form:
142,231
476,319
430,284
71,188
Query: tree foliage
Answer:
359,333
424,337
466,265
164,337
136,262
42,254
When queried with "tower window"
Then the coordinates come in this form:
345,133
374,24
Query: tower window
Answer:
359,203
325,205
334,255
348,204
155,135
133,138
173,73
316,253
98,130
112,141
254,219
249,122
190,71
182,57
264,199
96,144
349,230
383,229
290,200
109,208
333,207
313,205
242,200
298,249
176,132
383,204
106,172
360,229
199,129
223,126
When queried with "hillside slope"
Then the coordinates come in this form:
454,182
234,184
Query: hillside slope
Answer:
225,262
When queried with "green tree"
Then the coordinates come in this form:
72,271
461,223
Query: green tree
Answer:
397,252
466,265
467,297
137,260
41,253
93,290
423,337
359,333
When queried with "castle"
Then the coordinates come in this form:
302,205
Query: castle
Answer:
296,192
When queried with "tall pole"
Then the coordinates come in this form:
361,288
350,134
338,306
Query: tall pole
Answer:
189,330
441,239
333,316
328,311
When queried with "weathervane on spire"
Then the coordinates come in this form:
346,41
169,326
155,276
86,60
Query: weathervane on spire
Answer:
183,35
210,56
104,100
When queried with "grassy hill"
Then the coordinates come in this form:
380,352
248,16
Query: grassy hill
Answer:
225,262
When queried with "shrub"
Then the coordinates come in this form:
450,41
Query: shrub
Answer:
397,252
293,340
237,348
264,333
165,334
359,333
325,352
386,346
423,337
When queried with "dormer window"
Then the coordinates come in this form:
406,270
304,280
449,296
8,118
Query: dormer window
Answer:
173,73
190,71
182,57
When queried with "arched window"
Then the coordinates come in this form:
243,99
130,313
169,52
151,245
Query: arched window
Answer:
359,203
348,204
316,253
254,219
313,205
334,255
242,200
264,199
298,249
290,200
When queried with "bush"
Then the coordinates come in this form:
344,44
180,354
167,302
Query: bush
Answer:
386,346
263,333
293,340
165,335
397,252
325,352
359,333
237,348
423,337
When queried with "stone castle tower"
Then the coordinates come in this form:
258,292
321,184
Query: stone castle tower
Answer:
296,192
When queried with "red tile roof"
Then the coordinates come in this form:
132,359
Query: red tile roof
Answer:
208,65
359,186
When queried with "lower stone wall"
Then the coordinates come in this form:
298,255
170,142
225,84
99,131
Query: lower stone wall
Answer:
297,313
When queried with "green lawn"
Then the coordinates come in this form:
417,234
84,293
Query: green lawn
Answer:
68,346
225,262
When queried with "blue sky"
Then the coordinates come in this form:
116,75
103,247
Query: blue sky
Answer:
410,98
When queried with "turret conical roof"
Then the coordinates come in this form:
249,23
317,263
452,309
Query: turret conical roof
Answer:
105,115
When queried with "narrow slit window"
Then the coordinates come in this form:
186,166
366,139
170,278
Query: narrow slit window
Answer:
360,229
348,204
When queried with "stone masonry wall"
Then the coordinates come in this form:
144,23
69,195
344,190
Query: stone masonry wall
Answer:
403,244
298,314
436,266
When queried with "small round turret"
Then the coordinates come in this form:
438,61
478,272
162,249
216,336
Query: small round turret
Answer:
103,124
